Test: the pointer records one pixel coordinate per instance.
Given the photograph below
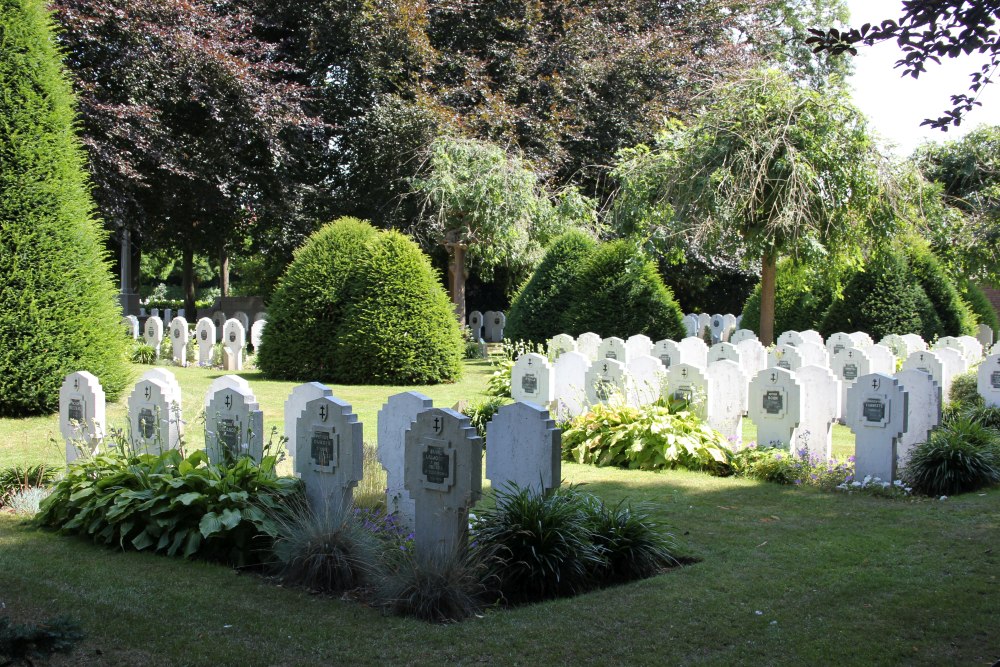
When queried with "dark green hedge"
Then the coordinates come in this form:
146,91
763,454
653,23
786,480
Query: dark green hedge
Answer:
949,315
363,307
802,296
980,304
620,293
59,311
539,310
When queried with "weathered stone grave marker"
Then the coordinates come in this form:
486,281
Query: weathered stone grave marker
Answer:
821,397
668,352
988,380
646,378
587,344
923,411
234,338
525,448
775,407
848,365
561,344
219,320
394,420
153,333
877,408
694,351
531,380
234,423
639,345
570,393
785,356
727,386
476,325
329,456
205,334
154,415
613,348
179,340
81,414
606,381
688,383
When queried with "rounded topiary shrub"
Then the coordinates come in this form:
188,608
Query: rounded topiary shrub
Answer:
802,296
308,304
58,306
538,311
878,300
361,306
620,293
399,326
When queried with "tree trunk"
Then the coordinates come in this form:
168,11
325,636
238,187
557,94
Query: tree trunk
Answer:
768,273
456,278
188,280
224,271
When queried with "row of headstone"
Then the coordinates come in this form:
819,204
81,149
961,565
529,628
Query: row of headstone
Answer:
487,327
233,336
721,327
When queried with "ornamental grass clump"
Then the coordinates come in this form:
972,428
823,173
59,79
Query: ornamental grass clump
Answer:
442,588
960,456
628,540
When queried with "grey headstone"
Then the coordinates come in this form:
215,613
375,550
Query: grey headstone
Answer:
234,424
877,410
525,448
775,407
329,456
476,325
394,420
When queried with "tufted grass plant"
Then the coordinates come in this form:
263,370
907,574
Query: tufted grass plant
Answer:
960,456
440,588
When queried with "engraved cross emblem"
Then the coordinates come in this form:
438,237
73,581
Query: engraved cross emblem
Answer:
438,425
76,383
229,401
323,412
774,377
147,392
875,383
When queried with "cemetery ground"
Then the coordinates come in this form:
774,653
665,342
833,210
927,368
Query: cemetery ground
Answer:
782,575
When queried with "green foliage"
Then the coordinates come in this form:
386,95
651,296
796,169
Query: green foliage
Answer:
980,305
29,642
959,456
628,540
58,307
773,464
398,327
20,479
329,551
619,292
498,384
948,315
878,299
481,412
441,589
172,505
650,438
964,393
987,415
543,306
537,546
802,295
360,306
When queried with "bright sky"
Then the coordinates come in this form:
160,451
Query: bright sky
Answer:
895,105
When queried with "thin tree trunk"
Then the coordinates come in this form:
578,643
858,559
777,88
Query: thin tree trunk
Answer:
768,274
187,271
456,278
224,271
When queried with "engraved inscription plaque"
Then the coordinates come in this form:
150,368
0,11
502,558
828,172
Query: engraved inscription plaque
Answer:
874,410
773,402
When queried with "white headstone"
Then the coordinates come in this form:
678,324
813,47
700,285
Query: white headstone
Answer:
639,345
988,380
294,406
494,324
668,352
476,325
821,396
785,356
646,378
741,335
234,338
953,364
727,385
718,328
914,343
131,323
924,411
704,324
234,424
525,448
394,420
81,413
256,334
899,346
881,359
606,381
570,394
219,320
227,381
928,362
688,383
694,351
984,334
837,342
329,456
153,333
848,365
205,334
728,327
243,319
560,344
691,325
812,336
174,396
587,344
775,407
813,353
613,348
973,349
862,339
179,340
721,351
154,416
877,409
444,463
531,380
790,339
753,356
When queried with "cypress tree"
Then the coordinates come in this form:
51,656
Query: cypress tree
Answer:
58,308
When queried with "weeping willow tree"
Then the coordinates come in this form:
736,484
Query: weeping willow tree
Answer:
769,169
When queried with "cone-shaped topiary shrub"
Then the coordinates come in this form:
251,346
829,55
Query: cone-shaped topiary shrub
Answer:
539,310
878,300
980,304
802,296
360,306
58,308
949,315
398,325
620,293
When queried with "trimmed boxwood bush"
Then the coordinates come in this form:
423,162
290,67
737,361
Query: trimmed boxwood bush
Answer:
360,306
539,310
802,296
398,325
878,299
620,293
58,306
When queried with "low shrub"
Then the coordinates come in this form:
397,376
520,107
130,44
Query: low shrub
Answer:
481,412
779,466
142,353
964,393
987,415
172,505
629,542
440,589
26,643
26,502
959,456
652,437
20,479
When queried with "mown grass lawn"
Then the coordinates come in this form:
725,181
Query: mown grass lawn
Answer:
785,576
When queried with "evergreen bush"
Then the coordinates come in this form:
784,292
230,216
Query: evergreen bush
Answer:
620,293
58,307
949,315
802,296
539,310
878,299
981,306
360,306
